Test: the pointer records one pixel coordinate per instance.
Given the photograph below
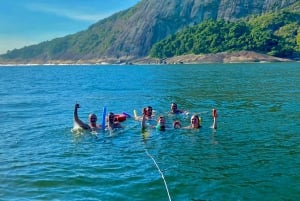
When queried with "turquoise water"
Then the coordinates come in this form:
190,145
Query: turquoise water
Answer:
254,154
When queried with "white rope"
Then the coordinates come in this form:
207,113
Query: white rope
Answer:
162,175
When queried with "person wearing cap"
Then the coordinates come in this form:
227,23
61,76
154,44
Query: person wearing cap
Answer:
92,125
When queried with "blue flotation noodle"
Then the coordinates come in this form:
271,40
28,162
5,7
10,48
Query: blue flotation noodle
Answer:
103,118
127,115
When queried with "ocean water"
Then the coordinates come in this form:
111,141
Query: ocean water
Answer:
253,155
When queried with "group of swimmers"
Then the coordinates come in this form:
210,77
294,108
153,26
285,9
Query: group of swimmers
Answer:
147,118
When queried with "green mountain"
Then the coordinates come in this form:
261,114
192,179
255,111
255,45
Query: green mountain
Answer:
276,34
130,34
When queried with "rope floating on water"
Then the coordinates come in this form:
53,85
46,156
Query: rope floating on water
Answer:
162,175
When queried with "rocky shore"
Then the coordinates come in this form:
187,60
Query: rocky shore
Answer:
225,57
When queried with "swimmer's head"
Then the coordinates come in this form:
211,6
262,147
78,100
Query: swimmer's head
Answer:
161,123
195,121
111,117
148,111
161,120
92,118
174,107
177,124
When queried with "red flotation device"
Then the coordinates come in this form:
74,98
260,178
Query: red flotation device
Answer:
120,117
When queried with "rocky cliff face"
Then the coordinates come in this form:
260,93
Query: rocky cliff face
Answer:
153,20
132,33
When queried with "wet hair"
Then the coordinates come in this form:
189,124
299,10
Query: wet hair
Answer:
159,126
144,110
199,120
160,117
174,104
111,117
92,116
177,124
174,108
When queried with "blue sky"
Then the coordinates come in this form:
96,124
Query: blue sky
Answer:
27,22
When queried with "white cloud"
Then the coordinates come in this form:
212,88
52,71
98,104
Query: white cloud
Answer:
70,13
36,21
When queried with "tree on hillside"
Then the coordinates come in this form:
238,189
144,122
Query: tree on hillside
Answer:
298,40
273,34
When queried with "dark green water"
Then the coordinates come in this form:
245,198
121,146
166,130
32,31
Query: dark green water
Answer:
254,154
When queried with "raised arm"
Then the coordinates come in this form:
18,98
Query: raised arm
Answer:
214,115
77,120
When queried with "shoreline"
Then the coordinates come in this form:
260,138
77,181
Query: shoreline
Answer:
224,57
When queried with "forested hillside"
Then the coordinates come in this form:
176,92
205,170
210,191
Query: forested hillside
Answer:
276,34
130,34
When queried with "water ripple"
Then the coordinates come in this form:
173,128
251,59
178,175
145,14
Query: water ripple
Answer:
254,154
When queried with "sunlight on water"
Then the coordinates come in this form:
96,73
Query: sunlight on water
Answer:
252,155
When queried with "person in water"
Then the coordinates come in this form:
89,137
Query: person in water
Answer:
148,112
195,123
92,125
112,123
176,124
175,110
160,125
